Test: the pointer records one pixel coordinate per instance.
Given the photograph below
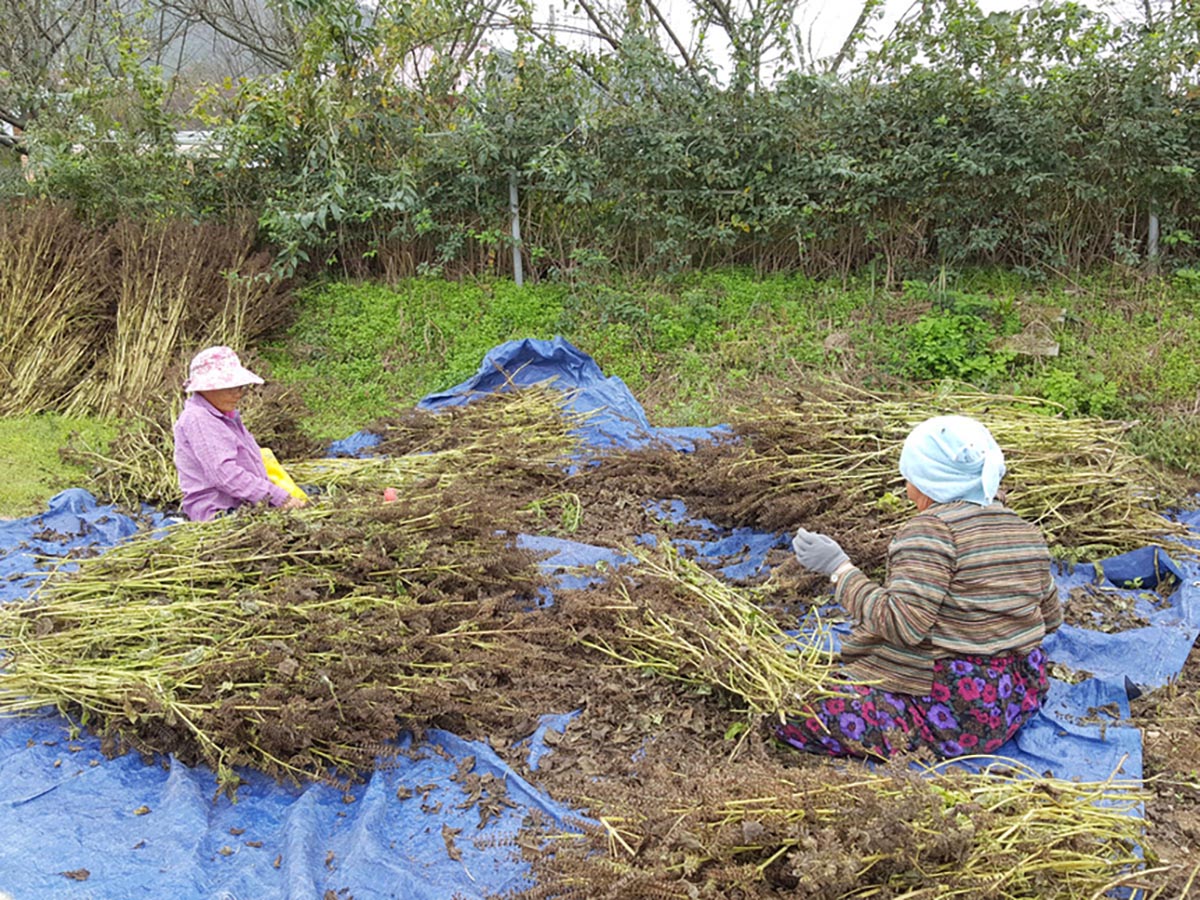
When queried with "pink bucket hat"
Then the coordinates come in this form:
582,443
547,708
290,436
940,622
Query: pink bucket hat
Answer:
216,368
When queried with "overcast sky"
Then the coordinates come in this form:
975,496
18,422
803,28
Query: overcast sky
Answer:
825,23
829,21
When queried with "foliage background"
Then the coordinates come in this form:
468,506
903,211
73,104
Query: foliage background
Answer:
910,211
384,143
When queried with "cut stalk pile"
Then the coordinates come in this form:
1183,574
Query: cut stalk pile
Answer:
527,435
675,619
830,459
301,643
298,643
826,833
295,644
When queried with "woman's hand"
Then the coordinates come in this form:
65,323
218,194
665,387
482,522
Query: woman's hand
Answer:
294,503
818,552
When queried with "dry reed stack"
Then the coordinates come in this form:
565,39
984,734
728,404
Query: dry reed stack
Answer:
175,288
97,321
829,458
52,281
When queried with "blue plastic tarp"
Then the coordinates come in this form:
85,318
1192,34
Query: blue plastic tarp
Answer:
619,420
616,419
156,830
1150,656
72,523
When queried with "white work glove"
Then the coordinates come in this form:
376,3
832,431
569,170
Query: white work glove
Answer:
818,552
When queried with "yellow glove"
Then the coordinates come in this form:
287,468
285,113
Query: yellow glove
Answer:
278,476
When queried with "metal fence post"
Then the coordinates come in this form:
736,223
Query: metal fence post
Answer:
514,208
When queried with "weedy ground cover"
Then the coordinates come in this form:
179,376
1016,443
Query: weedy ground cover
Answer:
30,467
695,348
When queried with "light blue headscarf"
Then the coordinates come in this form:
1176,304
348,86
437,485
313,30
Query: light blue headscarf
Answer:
953,458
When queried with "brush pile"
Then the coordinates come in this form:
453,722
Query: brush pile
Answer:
301,644
672,618
758,829
828,459
296,644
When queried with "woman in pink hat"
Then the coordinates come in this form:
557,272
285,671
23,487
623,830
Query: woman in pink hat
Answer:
220,464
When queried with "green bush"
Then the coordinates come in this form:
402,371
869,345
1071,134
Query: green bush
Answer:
955,339
948,345
1089,394
1034,140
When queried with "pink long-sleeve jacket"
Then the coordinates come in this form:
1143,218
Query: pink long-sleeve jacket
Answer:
219,463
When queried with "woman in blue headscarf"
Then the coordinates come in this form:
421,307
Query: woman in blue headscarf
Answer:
946,653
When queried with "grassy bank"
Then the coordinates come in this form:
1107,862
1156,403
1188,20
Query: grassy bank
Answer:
1114,345
30,469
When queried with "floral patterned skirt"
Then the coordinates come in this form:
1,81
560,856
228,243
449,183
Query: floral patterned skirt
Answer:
975,705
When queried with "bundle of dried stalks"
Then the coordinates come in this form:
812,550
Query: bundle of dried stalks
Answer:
53,292
838,448
293,643
531,431
757,829
176,287
672,618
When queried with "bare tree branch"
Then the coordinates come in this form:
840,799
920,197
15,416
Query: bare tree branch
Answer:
245,25
601,30
726,19
687,59
855,35
472,44
574,59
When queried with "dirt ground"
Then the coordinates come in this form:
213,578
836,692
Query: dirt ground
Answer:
1170,723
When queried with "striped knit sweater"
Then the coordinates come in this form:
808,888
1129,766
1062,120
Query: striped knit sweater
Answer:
962,580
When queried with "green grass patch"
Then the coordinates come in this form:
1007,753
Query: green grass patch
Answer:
31,471
692,347
360,351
